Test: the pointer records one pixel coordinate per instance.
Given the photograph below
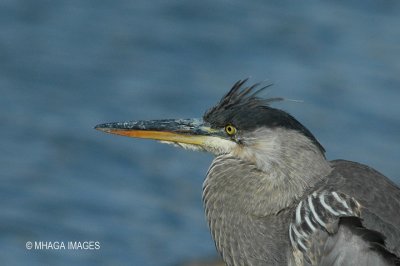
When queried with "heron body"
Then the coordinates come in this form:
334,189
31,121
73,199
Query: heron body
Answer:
270,195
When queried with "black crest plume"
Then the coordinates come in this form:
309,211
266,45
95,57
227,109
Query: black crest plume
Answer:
246,111
239,96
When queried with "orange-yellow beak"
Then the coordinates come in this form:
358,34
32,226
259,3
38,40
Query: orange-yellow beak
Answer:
187,131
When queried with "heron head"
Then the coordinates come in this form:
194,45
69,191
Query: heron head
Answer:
241,124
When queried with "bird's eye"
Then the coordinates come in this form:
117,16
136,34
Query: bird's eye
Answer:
230,130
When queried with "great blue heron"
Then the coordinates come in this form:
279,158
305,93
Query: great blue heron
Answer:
270,195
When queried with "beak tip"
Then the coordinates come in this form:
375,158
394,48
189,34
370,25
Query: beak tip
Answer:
102,127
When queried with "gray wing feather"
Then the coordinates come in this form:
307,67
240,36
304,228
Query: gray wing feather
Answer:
350,245
379,197
367,233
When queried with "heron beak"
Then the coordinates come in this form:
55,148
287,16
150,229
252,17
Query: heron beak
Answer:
187,131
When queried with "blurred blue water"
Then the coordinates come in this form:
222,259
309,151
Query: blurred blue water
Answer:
68,65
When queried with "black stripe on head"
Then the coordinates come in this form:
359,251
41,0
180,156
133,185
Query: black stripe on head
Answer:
242,108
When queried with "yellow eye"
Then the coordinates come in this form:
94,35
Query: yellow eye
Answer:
230,130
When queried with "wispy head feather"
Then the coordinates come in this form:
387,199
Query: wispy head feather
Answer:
240,95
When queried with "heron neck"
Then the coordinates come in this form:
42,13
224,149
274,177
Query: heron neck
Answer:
278,164
241,200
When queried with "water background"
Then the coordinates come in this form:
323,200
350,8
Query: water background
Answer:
66,66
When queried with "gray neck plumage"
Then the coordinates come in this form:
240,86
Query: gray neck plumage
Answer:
271,168
266,173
